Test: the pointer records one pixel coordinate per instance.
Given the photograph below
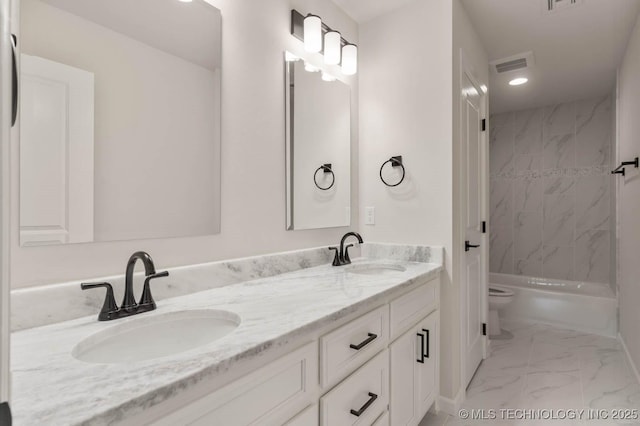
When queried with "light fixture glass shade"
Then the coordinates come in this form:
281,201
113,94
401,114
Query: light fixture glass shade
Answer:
328,77
312,34
310,67
332,48
349,59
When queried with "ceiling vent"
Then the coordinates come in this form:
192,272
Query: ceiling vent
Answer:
556,5
514,63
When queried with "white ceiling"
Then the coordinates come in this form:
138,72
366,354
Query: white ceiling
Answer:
191,31
365,10
577,50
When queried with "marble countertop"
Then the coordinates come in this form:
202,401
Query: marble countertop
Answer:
51,387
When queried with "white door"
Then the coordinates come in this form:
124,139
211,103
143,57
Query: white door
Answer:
473,286
56,153
5,135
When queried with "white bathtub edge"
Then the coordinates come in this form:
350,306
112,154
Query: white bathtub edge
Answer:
569,310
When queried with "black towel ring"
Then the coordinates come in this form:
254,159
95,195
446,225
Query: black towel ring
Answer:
326,168
395,161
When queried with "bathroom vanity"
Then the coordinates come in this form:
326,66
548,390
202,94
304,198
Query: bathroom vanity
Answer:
321,345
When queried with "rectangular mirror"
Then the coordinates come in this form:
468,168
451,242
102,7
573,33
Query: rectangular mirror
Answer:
119,120
318,149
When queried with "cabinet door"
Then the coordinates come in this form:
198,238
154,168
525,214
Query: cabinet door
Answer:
405,353
426,373
308,417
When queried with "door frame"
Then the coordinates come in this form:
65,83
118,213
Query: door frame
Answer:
5,142
467,70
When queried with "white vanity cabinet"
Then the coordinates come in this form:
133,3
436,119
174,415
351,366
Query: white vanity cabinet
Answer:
414,372
376,369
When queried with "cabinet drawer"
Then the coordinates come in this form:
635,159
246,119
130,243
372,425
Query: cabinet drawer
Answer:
344,350
268,396
383,420
309,417
361,398
407,310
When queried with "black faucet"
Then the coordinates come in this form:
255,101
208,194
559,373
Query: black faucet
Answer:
110,310
342,253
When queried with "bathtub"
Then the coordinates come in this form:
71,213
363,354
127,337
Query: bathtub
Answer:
582,306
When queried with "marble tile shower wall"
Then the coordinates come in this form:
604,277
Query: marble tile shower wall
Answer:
550,189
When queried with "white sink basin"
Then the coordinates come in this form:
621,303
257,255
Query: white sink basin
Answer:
155,336
375,269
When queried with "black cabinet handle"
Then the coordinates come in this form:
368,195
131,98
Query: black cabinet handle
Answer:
372,398
468,246
427,339
421,360
14,81
365,342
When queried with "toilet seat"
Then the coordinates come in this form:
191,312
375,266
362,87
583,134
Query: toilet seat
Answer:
495,291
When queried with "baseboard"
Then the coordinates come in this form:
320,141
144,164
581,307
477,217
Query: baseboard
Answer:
631,363
451,406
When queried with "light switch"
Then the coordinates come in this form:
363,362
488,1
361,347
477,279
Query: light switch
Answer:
370,216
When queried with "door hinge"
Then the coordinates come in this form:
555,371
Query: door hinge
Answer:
484,226
484,328
5,414
483,124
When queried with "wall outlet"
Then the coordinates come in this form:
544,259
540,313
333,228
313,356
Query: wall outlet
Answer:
370,216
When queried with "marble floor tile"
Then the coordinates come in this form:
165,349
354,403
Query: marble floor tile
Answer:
553,390
548,368
494,390
549,358
433,419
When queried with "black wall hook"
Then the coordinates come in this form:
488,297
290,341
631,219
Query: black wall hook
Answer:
326,168
396,161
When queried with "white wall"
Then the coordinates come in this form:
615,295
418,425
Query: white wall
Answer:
629,196
405,109
255,34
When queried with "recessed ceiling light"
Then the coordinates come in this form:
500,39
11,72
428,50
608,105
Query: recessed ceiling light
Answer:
185,1
518,81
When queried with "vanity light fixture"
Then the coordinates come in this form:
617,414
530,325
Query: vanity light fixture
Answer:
332,48
328,77
312,32
310,68
349,59
518,81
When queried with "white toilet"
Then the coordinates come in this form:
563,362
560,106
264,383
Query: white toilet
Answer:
499,297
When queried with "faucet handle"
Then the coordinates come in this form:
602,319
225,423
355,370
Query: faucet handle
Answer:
345,257
146,300
109,308
336,258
